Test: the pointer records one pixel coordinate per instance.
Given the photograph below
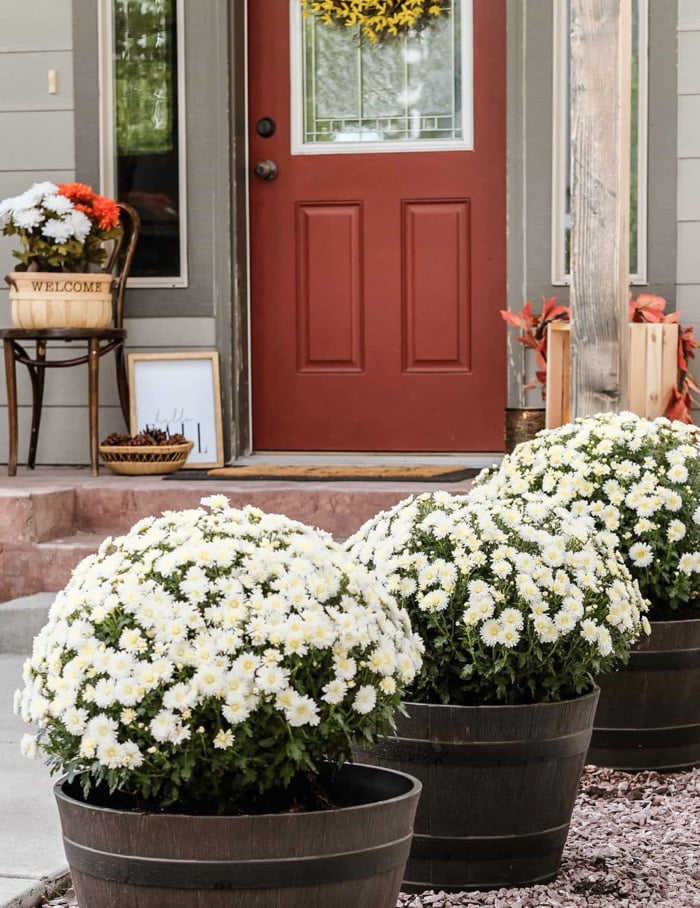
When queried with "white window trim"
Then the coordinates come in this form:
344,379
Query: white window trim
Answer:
107,176
299,147
560,160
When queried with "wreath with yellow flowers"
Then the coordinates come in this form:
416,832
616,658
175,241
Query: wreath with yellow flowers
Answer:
377,19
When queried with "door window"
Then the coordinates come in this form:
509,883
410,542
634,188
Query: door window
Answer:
406,92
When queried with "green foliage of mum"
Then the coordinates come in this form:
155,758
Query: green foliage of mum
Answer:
639,478
516,602
210,656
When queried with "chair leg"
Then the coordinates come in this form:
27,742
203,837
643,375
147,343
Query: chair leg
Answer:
122,384
93,388
37,374
11,382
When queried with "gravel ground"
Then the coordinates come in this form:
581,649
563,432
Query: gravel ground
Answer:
634,843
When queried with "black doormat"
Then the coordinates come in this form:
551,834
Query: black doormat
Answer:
329,472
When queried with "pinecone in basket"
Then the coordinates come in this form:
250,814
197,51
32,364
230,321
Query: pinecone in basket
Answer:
150,436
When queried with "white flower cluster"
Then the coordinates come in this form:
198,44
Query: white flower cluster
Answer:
513,599
42,206
209,631
639,478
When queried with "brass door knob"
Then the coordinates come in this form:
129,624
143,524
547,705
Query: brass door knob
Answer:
266,170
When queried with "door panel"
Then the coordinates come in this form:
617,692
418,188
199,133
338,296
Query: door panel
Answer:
377,276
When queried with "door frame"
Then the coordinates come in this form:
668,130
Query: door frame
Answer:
241,425
241,430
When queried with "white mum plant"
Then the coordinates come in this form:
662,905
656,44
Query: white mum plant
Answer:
209,657
516,602
639,478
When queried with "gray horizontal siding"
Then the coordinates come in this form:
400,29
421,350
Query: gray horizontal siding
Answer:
31,25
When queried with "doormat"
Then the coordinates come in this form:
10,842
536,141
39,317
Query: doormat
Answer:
330,472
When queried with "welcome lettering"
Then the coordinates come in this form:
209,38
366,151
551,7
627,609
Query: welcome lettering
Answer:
58,286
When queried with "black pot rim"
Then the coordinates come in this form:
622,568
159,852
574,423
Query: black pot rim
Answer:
552,704
676,622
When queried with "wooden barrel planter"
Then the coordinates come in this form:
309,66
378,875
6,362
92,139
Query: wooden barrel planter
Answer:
499,786
347,857
649,711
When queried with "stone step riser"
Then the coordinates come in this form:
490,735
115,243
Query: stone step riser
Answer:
29,569
338,511
41,535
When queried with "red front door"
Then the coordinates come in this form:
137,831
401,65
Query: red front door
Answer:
376,277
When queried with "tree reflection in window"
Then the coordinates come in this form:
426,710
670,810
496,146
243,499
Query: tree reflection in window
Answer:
146,129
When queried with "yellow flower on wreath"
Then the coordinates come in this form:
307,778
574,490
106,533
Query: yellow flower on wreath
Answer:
377,18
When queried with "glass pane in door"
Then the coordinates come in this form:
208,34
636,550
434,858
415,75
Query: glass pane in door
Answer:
413,87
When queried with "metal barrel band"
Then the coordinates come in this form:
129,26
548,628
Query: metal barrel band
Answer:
494,848
242,874
668,660
646,737
472,753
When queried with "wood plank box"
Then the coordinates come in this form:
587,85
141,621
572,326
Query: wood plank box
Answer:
653,369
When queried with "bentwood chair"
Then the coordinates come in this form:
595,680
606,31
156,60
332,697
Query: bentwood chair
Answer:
94,343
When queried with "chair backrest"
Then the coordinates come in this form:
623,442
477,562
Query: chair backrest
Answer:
122,256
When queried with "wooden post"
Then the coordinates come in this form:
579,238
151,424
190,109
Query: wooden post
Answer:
600,171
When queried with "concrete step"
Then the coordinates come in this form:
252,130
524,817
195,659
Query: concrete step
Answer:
51,519
27,568
20,620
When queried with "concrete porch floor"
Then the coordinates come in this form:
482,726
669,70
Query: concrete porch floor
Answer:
51,517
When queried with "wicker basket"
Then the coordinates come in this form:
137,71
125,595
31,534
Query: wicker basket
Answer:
144,460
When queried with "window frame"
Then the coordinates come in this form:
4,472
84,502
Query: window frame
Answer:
300,147
105,31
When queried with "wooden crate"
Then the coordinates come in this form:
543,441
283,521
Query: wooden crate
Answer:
653,369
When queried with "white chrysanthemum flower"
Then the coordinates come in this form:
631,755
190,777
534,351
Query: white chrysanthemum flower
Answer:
490,631
344,666
28,746
589,630
641,554
433,601
604,641
271,678
237,709
131,756
334,691
678,473
365,699
165,726
511,617
223,739
210,680
101,728
508,636
302,711
110,754
75,720
686,563
546,629
676,531
388,685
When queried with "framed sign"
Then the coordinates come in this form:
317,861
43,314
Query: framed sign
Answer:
180,393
